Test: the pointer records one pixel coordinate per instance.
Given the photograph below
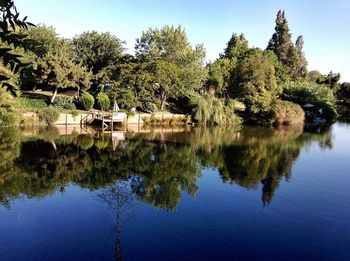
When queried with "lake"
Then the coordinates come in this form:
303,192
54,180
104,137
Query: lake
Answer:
175,194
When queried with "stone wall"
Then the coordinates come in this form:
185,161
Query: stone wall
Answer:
69,119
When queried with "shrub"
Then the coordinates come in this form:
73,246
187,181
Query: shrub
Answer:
287,113
149,107
48,115
125,98
8,115
87,100
211,110
64,102
8,118
32,104
318,95
103,101
75,113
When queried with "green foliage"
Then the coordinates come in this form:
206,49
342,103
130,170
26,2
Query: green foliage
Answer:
125,98
287,113
10,23
31,104
75,113
8,113
64,102
236,47
318,95
149,107
48,115
46,39
210,110
167,79
177,68
343,93
8,118
97,50
57,70
254,83
88,101
292,57
103,101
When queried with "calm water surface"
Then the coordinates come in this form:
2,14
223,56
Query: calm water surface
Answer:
195,194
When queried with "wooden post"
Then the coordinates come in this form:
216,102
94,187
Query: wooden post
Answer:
66,119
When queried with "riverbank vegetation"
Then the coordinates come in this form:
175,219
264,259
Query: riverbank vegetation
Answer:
92,70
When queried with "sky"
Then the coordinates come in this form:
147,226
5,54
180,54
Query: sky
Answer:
324,24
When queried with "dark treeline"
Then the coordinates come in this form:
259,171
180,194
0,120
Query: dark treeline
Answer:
167,73
159,171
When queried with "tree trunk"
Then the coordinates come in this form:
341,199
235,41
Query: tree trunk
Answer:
54,95
162,100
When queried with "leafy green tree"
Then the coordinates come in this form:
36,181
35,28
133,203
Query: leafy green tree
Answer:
315,77
305,92
301,69
45,38
281,44
170,45
57,70
332,79
343,93
167,79
236,47
219,74
132,82
254,83
9,27
97,50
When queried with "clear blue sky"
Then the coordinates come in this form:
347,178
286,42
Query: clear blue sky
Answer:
325,24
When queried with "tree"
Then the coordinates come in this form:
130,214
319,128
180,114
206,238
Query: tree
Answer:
301,69
236,47
281,44
303,92
170,45
168,80
343,93
332,79
9,25
97,50
56,70
254,83
46,39
316,77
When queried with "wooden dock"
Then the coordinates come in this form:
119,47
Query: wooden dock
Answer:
109,119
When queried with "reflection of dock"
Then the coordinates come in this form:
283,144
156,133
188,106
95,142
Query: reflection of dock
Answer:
116,137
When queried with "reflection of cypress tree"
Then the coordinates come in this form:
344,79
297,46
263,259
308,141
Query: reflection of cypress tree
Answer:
250,165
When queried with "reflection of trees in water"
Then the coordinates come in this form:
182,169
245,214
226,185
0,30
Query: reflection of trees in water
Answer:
36,168
249,166
119,198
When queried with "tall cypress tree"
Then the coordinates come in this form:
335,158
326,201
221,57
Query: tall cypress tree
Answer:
302,62
282,45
